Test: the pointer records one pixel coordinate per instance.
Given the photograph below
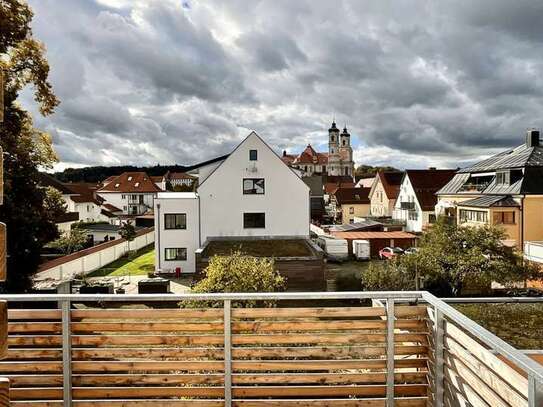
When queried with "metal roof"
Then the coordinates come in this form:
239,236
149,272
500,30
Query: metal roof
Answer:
355,226
373,235
518,157
488,201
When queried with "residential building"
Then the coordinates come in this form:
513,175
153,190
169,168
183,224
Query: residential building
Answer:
181,179
86,202
242,195
131,192
505,189
338,160
351,203
417,198
384,192
365,181
316,197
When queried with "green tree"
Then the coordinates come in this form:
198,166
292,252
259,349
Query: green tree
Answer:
238,273
128,232
54,204
26,149
71,241
451,258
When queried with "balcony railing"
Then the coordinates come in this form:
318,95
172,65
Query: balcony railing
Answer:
413,350
533,251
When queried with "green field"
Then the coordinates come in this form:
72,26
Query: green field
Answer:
141,263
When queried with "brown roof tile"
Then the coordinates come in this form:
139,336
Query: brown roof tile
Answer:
130,182
426,183
391,181
352,196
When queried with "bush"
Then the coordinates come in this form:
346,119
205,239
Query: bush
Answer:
387,276
238,273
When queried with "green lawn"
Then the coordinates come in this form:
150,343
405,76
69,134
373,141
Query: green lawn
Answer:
139,264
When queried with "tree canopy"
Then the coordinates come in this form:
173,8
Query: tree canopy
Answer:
452,258
26,149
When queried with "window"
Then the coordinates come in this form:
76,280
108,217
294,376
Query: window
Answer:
324,168
351,210
175,221
467,215
175,253
413,215
332,139
344,142
254,220
253,186
505,218
123,196
501,178
253,155
432,218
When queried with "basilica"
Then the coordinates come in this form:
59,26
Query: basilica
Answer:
337,161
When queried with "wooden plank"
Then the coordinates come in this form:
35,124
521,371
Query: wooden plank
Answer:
366,402
3,332
146,379
327,378
36,393
402,311
492,361
465,360
32,354
262,326
3,228
100,340
124,403
33,314
248,339
34,340
46,367
35,327
326,391
270,365
82,327
147,313
148,353
35,380
4,392
330,352
459,385
161,365
146,392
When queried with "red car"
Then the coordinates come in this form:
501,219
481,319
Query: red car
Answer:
389,252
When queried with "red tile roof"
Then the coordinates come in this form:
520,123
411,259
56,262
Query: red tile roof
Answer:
426,183
130,182
112,208
310,156
331,187
180,175
391,181
85,192
352,196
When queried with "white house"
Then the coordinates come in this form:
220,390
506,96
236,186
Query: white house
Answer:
417,199
132,192
249,193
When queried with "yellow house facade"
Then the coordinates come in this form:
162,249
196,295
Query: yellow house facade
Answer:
352,203
504,190
384,192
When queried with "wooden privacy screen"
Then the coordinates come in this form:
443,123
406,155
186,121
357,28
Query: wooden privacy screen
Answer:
473,375
174,357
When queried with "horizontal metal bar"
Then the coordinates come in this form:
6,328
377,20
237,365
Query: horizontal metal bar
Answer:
471,300
514,355
397,295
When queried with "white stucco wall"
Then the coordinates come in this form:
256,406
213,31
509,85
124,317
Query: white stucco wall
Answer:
176,202
407,194
285,201
116,199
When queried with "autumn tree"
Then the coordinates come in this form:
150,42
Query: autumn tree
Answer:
70,241
452,258
27,150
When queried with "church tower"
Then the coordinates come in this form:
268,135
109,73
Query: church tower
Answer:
334,165
346,153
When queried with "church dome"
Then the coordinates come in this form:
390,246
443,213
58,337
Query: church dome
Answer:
333,128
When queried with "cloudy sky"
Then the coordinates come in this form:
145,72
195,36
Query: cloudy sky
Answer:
419,83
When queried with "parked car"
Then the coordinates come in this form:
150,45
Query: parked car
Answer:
389,252
411,250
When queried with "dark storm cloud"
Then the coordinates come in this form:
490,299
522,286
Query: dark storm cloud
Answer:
147,81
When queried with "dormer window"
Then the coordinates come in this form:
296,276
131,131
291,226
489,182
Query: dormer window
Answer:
253,155
117,185
129,178
137,184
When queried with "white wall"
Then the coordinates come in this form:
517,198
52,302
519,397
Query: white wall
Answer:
407,194
285,201
94,260
176,202
116,199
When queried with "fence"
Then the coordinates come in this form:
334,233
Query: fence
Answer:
340,356
85,261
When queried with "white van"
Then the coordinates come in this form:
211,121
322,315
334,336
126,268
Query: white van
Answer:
361,249
335,249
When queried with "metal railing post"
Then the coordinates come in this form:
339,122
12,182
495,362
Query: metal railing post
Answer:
390,352
66,354
439,357
535,392
227,354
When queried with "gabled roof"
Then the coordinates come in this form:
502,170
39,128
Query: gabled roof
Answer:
111,208
391,181
426,183
131,182
352,196
47,180
488,201
208,162
85,193
180,175
518,157
330,188
310,156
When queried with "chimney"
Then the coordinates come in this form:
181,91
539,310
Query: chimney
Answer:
532,138
284,153
432,168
